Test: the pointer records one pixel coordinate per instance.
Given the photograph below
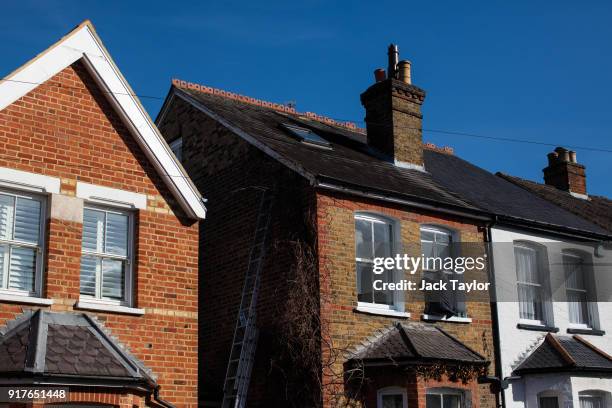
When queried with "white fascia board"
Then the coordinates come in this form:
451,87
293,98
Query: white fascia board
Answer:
83,43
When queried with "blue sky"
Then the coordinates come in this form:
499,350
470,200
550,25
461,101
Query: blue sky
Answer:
539,71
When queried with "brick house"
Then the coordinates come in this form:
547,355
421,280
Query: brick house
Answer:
325,337
98,237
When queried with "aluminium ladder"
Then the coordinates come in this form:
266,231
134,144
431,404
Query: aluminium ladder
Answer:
244,343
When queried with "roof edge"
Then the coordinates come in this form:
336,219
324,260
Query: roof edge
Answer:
84,43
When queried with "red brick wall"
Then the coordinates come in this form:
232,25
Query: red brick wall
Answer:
65,128
347,328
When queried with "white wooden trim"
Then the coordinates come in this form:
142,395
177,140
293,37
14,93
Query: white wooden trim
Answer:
369,309
25,299
24,180
107,307
84,44
111,196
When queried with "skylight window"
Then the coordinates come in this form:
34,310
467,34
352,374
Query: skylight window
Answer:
306,135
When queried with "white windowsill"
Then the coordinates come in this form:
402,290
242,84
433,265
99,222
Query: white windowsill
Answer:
381,312
530,322
29,300
105,307
452,319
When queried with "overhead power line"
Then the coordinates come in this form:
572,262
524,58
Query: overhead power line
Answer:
440,131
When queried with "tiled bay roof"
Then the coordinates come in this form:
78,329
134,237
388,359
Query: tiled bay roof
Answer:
565,353
66,345
406,343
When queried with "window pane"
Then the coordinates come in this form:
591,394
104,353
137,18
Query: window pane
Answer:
526,265
89,266
22,267
591,402
530,305
93,230
451,401
116,234
548,402
427,236
393,401
384,297
363,239
574,276
382,240
27,220
364,282
578,307
3,259
434,401
113,273
427,248
7,206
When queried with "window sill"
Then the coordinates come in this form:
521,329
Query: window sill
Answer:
452,319
592,332
29,300
104,307
381,312
535,327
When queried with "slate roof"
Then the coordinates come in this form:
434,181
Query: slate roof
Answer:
596,209
565,353
449,182
66,345
405,343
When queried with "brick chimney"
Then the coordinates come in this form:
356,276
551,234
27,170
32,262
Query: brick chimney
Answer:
393,114
564,173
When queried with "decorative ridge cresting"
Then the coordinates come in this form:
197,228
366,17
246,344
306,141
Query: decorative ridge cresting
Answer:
179,83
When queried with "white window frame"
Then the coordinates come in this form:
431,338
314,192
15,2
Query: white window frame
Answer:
177,144
6,292
453,237
441,391
591,322
397,308
601,395
129,262
538,256
392,391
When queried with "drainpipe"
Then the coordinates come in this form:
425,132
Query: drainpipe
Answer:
501,397
160,401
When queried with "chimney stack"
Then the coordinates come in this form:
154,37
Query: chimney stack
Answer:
564,172
393,114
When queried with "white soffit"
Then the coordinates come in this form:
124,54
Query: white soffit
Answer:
83,43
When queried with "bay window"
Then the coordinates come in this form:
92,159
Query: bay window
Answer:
106,264
444,398
392,397
21,241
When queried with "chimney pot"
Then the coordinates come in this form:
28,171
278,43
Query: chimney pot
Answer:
552,158
380,75
404,72
572,155
393,54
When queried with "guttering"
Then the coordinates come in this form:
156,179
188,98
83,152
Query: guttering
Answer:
404,201
545,228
